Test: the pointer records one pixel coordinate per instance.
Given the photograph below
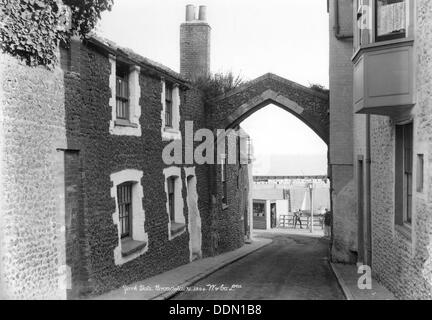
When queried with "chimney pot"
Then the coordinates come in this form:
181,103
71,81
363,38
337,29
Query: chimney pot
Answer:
195,44
202,13
190,12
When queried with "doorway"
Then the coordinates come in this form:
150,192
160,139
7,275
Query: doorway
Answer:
273,218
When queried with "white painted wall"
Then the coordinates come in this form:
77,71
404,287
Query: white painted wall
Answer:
281,208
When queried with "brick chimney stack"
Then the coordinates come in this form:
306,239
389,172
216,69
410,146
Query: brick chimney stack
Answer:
195,43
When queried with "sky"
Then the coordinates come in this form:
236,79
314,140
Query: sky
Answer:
284,145
249,38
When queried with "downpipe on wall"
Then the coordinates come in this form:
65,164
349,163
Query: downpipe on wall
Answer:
336,24
368,247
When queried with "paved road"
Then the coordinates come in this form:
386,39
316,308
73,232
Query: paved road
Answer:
292,267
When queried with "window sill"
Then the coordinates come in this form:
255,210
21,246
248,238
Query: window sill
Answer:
177,228
130,246
382,45
125,123
405,230
171,130
169,133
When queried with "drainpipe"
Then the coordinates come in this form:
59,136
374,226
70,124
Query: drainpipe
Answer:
336,25
368,191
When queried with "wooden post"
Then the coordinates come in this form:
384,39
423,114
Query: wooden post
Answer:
311,207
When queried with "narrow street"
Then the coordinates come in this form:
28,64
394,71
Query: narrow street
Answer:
292,267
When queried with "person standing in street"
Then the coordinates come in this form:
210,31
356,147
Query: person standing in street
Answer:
297,216
327,223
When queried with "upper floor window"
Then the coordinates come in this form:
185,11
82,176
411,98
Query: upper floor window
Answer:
390,19
125,97
168,105
170,116
122,92
382,20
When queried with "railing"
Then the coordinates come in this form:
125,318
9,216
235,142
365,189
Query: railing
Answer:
287,221
267,178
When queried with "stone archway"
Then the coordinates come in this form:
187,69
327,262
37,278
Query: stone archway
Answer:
228,111
310,106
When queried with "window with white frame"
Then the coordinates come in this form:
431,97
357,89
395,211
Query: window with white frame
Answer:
168,105
124,200
170,100
174,202
125,96
122,93
129,215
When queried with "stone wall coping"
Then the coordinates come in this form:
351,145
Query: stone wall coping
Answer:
272,77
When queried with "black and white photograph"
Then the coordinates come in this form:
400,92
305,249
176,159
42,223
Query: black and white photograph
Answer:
222,152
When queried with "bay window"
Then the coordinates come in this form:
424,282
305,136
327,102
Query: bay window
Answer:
382,20
384,57
390,19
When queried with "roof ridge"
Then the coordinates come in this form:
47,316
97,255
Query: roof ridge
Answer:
131,54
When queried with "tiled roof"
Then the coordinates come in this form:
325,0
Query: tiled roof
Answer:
130,54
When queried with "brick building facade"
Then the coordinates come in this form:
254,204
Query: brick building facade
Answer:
384,219
89,202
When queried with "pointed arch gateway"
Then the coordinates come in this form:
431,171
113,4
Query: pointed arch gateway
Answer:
227,112
310,106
